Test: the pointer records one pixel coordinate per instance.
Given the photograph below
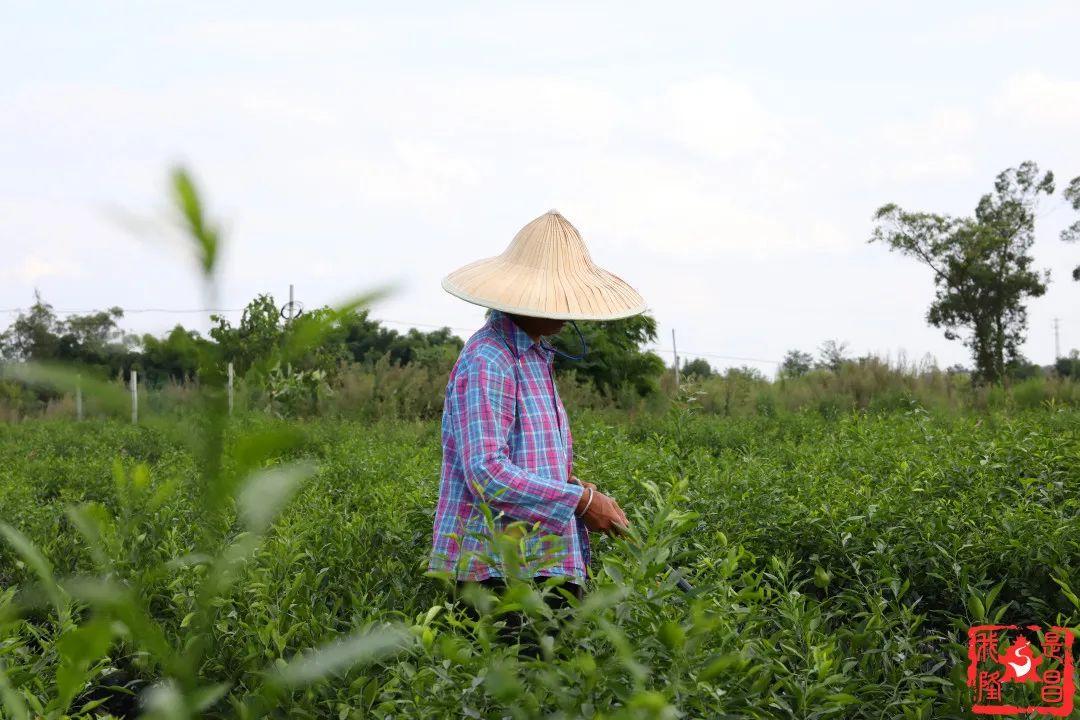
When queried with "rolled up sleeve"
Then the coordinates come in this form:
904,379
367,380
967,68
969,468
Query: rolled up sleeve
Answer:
485,422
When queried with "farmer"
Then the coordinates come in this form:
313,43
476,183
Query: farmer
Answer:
506,440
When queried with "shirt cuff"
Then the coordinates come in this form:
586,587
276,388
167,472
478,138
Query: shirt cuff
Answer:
563,510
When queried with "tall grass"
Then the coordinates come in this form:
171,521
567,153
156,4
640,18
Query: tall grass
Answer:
415,392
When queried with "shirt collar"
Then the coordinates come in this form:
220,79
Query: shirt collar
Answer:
518,339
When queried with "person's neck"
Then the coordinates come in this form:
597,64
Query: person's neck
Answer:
527,327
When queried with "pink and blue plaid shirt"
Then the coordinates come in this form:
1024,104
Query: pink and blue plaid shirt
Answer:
506,442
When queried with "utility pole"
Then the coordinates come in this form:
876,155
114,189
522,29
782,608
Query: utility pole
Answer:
675,352
1057,338
288,321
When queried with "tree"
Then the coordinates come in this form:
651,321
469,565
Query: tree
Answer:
1069,366
1020,368
34,335
175,357
698,367
367,341
256,340
831,355
796,363
96,339
1072,233
93,340
616,354
981,265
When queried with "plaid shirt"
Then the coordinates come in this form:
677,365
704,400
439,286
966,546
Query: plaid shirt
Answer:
506,440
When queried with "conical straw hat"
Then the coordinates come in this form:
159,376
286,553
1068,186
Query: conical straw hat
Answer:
546,272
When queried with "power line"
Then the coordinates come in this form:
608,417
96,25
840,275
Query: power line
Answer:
669,351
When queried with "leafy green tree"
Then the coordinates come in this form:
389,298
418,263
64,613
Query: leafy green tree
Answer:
173,357
256,340
1069,366
616,356
34,335
981,265
832,355
367,341
698,367
94,340
1020,368
1072,233
796,363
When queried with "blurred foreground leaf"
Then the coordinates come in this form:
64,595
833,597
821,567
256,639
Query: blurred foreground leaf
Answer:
359,649
112,396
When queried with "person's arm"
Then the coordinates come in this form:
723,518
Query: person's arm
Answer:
484,424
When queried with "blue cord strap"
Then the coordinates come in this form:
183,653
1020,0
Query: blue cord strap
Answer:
560,353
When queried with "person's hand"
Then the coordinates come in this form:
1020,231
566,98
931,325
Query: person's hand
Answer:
577,481
601,513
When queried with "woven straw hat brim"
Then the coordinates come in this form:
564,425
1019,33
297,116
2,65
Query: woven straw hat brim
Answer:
546,272
606,297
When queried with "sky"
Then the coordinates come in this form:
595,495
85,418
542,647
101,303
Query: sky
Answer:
724,158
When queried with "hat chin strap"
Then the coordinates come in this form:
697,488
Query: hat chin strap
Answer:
568,356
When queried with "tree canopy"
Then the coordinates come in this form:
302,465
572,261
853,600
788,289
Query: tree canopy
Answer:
616,356
1072,233
616,359
982,265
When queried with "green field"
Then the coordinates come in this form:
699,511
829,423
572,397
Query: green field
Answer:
836,562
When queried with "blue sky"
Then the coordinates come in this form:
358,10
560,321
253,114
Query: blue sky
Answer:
724,159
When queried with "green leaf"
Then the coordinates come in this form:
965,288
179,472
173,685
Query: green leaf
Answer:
312,331
502,684
842,698
1067,591
206,235
359,649
41,567
113,397
165,701
85,643
976,607
206,697
13,701
672,635
720,665
266,492
78,649
90,520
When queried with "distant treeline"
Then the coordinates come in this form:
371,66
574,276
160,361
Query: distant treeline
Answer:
97,342
362,368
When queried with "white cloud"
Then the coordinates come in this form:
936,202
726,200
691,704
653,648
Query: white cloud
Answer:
934,147
292,36
1040,100
1004,23
32,268
718,116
